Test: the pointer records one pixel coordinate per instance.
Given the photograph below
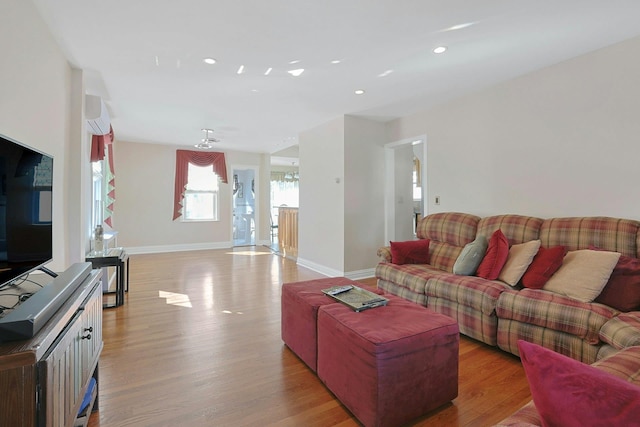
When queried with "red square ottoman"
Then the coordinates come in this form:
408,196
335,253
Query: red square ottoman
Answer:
391,364
299,305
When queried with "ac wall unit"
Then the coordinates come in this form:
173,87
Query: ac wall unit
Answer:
98,121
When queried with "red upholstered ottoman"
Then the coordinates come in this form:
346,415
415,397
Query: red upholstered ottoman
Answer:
299,305
390,364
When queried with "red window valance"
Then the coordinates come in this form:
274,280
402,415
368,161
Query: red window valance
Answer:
198,158
98,144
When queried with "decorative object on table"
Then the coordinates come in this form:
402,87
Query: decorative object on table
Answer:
98,238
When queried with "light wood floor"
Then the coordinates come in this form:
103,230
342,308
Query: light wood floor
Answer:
197,343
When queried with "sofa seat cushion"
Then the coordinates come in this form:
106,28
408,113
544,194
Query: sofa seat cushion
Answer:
556,312
411,276
622,331
471,291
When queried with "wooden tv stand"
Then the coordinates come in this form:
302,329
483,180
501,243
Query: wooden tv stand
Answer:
43,380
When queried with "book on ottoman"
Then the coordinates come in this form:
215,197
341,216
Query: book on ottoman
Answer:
356,298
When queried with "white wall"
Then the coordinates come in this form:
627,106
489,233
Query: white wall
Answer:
363,193
321,219
145,176
562,141
36,109
263,188
341,223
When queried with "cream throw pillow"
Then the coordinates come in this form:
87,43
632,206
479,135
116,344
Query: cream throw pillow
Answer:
583,274
519,259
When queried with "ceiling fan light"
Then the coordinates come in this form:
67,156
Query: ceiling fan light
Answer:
207,142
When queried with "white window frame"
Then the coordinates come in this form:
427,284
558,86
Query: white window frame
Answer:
99,185
215,201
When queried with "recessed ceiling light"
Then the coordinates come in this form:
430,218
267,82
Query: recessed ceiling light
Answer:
295,61
209,61
241,69
335,61
157,61
266,73
459,26
440,49
359,92
385,74
296,73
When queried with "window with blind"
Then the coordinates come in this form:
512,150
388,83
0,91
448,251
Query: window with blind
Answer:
200,200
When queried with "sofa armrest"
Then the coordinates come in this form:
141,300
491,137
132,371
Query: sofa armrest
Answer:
384,253
622,331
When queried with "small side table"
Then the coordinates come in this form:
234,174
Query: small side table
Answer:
113,257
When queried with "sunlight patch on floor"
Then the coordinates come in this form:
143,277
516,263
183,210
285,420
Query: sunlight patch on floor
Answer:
181,300
231,312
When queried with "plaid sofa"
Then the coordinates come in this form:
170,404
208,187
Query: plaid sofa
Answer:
499,315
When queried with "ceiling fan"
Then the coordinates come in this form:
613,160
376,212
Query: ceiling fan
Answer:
208,141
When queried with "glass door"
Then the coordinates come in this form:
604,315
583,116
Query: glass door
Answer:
244,207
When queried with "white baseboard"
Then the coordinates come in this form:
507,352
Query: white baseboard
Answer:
331,272
360,274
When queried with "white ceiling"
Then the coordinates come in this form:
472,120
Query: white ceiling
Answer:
144,57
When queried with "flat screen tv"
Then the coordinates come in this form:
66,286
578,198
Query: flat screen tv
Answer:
26,190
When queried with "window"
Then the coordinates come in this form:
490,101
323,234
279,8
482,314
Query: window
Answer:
417,185
98,188
200,201
104,184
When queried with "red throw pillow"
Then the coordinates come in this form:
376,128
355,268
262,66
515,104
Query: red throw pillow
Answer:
569,393
495,258
622,291
410,252
544,264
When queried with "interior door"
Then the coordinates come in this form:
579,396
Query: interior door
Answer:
402,204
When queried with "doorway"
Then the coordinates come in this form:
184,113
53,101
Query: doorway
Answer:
244,207
405,188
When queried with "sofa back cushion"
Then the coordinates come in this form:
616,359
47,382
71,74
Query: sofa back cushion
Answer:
516,228
448,233
609,234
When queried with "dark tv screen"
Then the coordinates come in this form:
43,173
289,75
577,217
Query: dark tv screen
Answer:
26,194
